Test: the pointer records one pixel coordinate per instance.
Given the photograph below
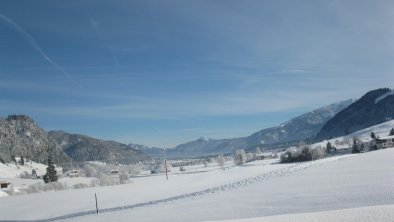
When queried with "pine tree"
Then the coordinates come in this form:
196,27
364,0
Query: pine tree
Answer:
355,147
22,161
329,147
51,175
373,136
391,132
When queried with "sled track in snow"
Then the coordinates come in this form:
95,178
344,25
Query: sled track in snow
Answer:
226,187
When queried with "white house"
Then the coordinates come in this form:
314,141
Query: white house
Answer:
384,142
73,173
343,149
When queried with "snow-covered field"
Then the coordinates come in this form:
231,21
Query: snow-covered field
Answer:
383,213
262,189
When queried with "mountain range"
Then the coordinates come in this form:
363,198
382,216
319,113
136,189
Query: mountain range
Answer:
21,136
302,127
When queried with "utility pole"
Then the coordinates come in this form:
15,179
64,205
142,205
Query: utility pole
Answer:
95,196
165,164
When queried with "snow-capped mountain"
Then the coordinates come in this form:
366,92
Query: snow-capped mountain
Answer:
305,126
374,107
301,127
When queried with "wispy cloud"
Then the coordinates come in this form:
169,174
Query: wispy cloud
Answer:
34,44
96,26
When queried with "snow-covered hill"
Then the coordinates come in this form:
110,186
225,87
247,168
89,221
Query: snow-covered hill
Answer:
258,189
15,170
380,130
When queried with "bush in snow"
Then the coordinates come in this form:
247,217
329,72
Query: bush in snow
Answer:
25,175
40,187
131,169
162,167
391,132
211,160
94,182
123,178
240,157
106,180
80,186
89,171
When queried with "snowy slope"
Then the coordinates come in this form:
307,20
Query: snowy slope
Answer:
375,107
380,130
12,170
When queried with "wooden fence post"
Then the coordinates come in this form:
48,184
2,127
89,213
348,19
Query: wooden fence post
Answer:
95,196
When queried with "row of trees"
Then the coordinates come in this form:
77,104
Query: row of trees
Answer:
239,158
303,153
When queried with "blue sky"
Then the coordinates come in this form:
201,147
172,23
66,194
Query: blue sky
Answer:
161,73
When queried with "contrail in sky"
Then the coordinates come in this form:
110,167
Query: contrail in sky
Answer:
33,43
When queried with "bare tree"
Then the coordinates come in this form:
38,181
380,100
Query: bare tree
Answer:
220,159
240,157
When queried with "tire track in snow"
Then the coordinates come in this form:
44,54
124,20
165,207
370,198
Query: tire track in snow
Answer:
222,188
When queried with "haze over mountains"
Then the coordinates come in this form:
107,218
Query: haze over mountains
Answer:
302,127
21,136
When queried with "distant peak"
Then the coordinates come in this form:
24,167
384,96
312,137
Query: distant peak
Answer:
202,139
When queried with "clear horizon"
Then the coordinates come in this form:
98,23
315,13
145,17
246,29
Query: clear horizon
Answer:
163,73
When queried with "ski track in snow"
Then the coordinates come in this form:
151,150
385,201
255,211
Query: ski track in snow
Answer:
222,188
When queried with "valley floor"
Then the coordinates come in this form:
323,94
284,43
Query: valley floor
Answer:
345,186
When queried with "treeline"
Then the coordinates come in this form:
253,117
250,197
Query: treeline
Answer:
303,153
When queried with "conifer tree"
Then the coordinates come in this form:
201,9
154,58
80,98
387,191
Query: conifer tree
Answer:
373,136
51,175
329,147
